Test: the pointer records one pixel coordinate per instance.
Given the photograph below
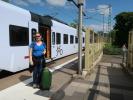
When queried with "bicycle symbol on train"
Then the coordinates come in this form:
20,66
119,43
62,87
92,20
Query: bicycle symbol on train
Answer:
59,51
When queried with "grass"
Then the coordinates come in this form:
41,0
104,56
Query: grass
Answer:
111,50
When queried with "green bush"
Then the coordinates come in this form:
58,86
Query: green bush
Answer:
111,50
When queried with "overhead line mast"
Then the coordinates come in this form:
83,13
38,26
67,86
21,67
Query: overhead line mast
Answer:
109,23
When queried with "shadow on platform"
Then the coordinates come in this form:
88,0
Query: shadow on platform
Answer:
116,82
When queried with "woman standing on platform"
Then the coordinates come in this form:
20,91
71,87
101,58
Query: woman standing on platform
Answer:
37,58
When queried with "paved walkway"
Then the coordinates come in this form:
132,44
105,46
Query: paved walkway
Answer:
108,81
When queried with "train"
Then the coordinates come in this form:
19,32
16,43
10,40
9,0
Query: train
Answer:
18,28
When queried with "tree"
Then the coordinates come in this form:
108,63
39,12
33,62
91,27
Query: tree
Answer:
74,24
112,34
124,23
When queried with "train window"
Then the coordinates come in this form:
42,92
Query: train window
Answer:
19,36
65,38
58,38
76,39
33,33
53,38
83,40
71,39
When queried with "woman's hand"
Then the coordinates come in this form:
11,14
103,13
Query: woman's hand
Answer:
44,52
31,62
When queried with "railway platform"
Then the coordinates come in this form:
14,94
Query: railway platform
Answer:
23,90
107,81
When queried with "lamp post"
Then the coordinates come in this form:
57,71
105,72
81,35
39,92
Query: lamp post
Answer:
80,7
80,4
77,5
103,24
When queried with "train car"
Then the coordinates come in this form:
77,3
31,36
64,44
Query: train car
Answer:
18,27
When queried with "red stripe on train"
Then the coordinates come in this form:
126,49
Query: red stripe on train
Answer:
26,57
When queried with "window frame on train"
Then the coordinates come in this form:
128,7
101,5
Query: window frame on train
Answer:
18,35
83,40
58,38
65,38
33,33
71,39
53,38
76,39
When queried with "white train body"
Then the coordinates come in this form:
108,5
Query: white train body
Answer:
64,49
17,29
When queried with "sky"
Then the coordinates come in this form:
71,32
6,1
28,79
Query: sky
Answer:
67,11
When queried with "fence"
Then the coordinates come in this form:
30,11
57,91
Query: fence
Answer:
130,50
93,50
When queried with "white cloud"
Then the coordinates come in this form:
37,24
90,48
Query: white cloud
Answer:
103,9
96,27
39,2
57,2
34,1
99,27
20,2
27,2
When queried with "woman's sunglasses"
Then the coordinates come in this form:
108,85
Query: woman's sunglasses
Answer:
38,36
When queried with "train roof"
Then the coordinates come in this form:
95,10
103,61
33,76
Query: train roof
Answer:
41,19
52,18
55,19
46,20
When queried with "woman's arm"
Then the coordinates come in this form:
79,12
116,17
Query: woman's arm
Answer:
44,52
30,56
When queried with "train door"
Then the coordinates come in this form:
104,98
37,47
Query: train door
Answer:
46,36
53,47
58,46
